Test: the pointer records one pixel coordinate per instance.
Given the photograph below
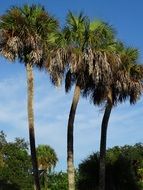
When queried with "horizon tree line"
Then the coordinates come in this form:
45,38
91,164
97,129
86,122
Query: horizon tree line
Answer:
16,172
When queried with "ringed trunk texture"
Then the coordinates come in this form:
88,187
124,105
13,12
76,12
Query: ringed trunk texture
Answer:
70,130
30,92
102,160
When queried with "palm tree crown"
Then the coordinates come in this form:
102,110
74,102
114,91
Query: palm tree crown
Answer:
28,34
90,50
46,156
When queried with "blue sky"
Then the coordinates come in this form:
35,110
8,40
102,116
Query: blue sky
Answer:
52,105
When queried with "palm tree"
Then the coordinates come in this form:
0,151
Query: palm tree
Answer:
74,40
27,34
125,84
86,56
47,159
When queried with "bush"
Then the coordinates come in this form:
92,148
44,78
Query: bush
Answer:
123,169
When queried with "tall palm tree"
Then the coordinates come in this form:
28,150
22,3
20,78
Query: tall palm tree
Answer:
74,36
125,83
27,35
87,53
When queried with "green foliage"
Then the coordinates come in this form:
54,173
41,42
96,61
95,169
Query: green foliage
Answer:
7,186
46,156
88,173
15,165
25,32
124,166
29,34
57,181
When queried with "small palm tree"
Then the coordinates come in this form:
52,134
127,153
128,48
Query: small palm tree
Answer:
47,159
27,34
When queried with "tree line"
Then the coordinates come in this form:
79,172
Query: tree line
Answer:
124,168
83,53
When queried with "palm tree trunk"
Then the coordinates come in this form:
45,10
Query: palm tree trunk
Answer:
70,130
102,160
31,125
